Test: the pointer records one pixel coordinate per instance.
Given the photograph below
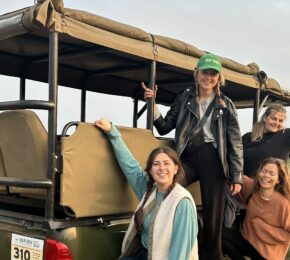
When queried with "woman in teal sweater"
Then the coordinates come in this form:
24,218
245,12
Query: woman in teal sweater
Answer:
166,219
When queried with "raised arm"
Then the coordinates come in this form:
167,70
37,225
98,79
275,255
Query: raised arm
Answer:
163,125
129,165
149,94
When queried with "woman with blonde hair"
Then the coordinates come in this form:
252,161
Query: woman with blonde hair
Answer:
208,140
269,138
266,228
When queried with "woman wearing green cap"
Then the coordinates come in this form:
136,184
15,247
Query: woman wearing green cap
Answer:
208,140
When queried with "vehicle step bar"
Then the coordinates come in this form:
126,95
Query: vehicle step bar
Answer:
24,183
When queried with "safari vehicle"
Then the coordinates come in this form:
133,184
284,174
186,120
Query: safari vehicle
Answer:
64,197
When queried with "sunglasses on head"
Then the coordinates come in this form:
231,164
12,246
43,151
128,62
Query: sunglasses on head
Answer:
209,72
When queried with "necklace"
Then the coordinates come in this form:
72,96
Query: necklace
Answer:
204,102
203,105
264,198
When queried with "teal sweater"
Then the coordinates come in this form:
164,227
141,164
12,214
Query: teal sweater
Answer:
185,220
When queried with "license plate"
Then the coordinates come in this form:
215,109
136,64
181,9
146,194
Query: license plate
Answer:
26,248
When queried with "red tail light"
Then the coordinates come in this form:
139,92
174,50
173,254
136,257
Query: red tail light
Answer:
55,250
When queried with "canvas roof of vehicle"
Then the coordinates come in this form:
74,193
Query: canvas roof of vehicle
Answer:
102,55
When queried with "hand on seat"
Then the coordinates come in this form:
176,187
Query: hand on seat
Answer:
104,124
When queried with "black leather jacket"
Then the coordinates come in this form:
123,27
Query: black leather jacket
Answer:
183,116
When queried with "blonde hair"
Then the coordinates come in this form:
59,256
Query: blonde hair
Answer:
283,186
259,127
221,83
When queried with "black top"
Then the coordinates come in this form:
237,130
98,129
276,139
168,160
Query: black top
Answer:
272,145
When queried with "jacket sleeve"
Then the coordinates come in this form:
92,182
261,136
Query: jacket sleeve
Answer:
271,234
184,233
234,145
165,125
131,168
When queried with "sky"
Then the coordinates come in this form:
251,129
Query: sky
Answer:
245,31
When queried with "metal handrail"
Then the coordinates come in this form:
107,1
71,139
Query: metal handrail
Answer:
67,126
24,183
27,104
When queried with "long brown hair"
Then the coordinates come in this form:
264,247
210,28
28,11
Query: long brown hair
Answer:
259,127
283,176
221,83
179,177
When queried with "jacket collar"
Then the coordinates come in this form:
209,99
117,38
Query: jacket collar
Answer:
193,105
191,91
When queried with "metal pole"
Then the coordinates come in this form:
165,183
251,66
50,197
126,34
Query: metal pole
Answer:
83,105
150,103
263,103
135,112
22,88
52,122
256,106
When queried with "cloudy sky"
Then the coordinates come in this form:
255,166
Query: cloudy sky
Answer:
246,31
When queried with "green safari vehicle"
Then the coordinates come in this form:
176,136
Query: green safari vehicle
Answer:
63,196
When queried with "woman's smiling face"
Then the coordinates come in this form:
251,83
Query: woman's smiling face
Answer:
207,79
163,170
268,177
274,122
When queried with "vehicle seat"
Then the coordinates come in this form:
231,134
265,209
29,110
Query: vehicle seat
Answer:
23,149
92,183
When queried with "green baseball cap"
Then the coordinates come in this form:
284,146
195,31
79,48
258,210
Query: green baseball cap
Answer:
209,61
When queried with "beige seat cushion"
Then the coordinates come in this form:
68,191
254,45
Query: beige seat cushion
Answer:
23,146
92,183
